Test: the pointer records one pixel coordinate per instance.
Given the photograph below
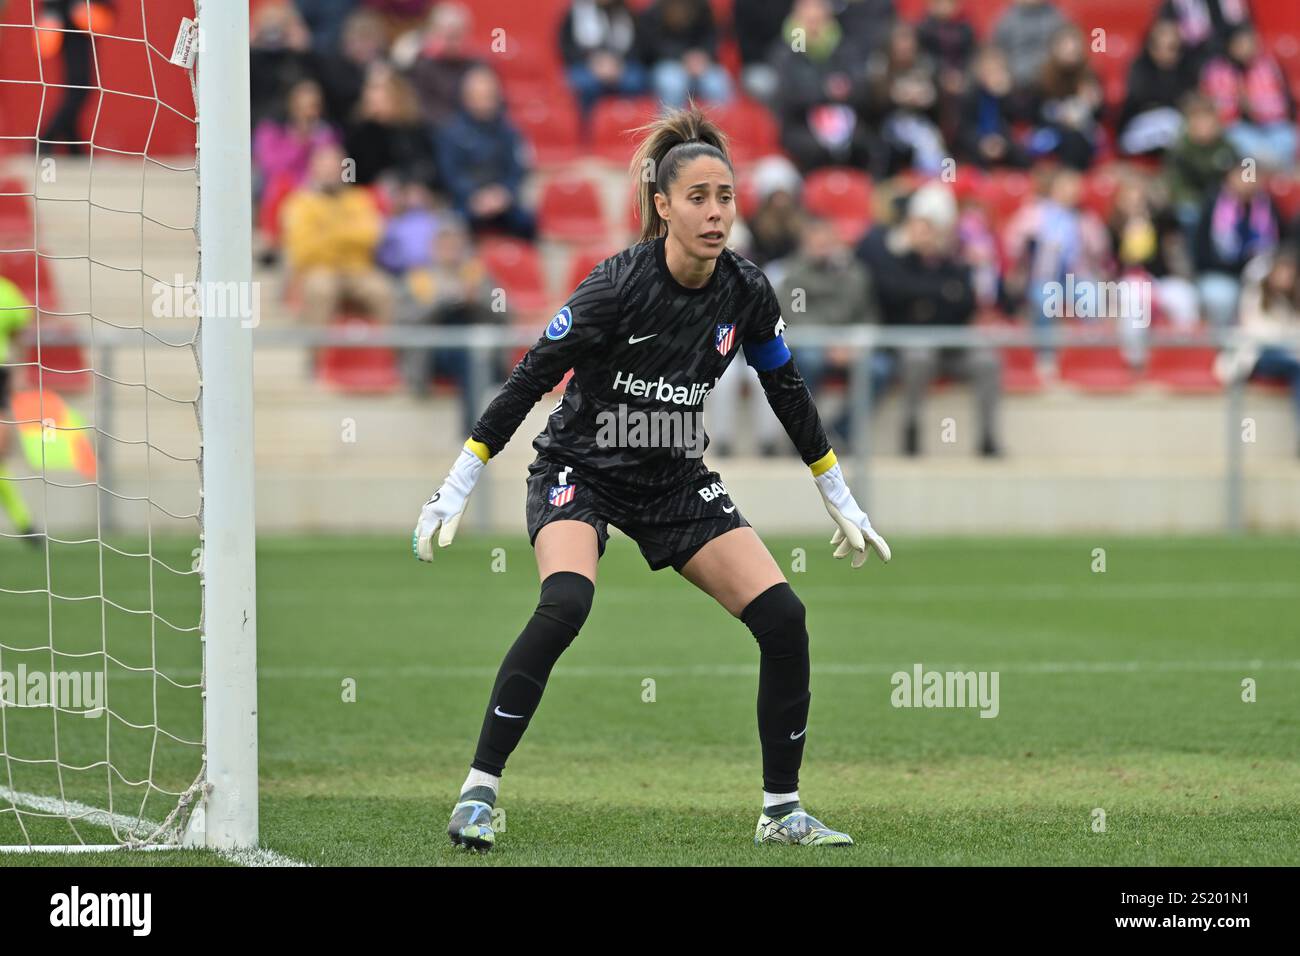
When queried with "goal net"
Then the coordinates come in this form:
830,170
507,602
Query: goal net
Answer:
127,697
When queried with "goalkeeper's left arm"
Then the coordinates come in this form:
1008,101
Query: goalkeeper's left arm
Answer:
790,399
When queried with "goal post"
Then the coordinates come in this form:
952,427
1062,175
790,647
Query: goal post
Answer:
139,446
230,815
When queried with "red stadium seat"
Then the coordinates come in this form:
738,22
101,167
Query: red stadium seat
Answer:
1286,194
612,122
1184,370
359,370
516,266
551,126
750,127
1101,369
582,261
16,219
1099,187
842,195
1004,191
62,368
570,211
1020,371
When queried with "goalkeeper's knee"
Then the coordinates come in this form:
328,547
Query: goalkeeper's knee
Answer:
566,601
778,621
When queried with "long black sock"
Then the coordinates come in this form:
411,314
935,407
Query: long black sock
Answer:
563,607
778,622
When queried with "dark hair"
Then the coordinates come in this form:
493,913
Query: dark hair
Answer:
671,141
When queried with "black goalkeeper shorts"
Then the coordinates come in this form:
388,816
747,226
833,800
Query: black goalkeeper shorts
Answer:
669,526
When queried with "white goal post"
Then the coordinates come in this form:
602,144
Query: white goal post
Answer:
219,809
226,368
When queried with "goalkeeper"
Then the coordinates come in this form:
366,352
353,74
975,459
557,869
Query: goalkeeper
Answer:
15,314
647,334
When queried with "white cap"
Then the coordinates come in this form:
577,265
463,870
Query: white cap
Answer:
935,203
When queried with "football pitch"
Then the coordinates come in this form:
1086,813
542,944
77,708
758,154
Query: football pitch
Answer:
1121,735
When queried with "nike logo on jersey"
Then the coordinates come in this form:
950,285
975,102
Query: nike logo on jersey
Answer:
726,510
501,713
634,339
799,734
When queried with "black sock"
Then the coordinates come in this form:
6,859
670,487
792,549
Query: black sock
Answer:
565,601
777,620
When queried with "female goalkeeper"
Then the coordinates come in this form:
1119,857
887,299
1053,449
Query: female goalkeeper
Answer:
647,335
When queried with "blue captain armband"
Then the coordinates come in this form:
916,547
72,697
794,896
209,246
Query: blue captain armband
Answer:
768,355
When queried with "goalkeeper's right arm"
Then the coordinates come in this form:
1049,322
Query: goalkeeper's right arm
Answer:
574,331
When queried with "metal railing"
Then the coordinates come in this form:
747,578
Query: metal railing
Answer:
862,340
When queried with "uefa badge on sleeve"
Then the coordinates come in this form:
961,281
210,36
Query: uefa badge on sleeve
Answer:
725,338
559,326
561,494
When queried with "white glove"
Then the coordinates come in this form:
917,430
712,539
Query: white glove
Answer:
441,513
853,531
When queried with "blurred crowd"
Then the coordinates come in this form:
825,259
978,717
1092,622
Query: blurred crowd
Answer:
1001,170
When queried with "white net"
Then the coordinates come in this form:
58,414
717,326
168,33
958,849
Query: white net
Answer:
101,657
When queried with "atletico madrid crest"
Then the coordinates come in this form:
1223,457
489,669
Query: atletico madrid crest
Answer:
561,494
725,338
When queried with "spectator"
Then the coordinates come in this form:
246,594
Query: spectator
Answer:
452,289
399,16
1204,25
829,286
904,94
1049,241
1253,101
1152,253
866,23
948,38
598,41
282,147
1157,81
387,136
985,133
364,45
1198,160
481,158
757,28
1270,315
409,233
1069,102
1238,223
822,91
774,227
331,229
1024,34
679,43
440,61
979,251
325,19
279,56
920,282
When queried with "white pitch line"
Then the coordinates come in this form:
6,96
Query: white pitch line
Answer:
430,671
257,856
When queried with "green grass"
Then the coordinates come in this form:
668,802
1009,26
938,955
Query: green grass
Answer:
1118,690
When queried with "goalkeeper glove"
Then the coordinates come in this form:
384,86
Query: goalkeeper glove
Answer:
853,530
441,513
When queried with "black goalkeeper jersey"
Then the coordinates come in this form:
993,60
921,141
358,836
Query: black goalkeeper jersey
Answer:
640,343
